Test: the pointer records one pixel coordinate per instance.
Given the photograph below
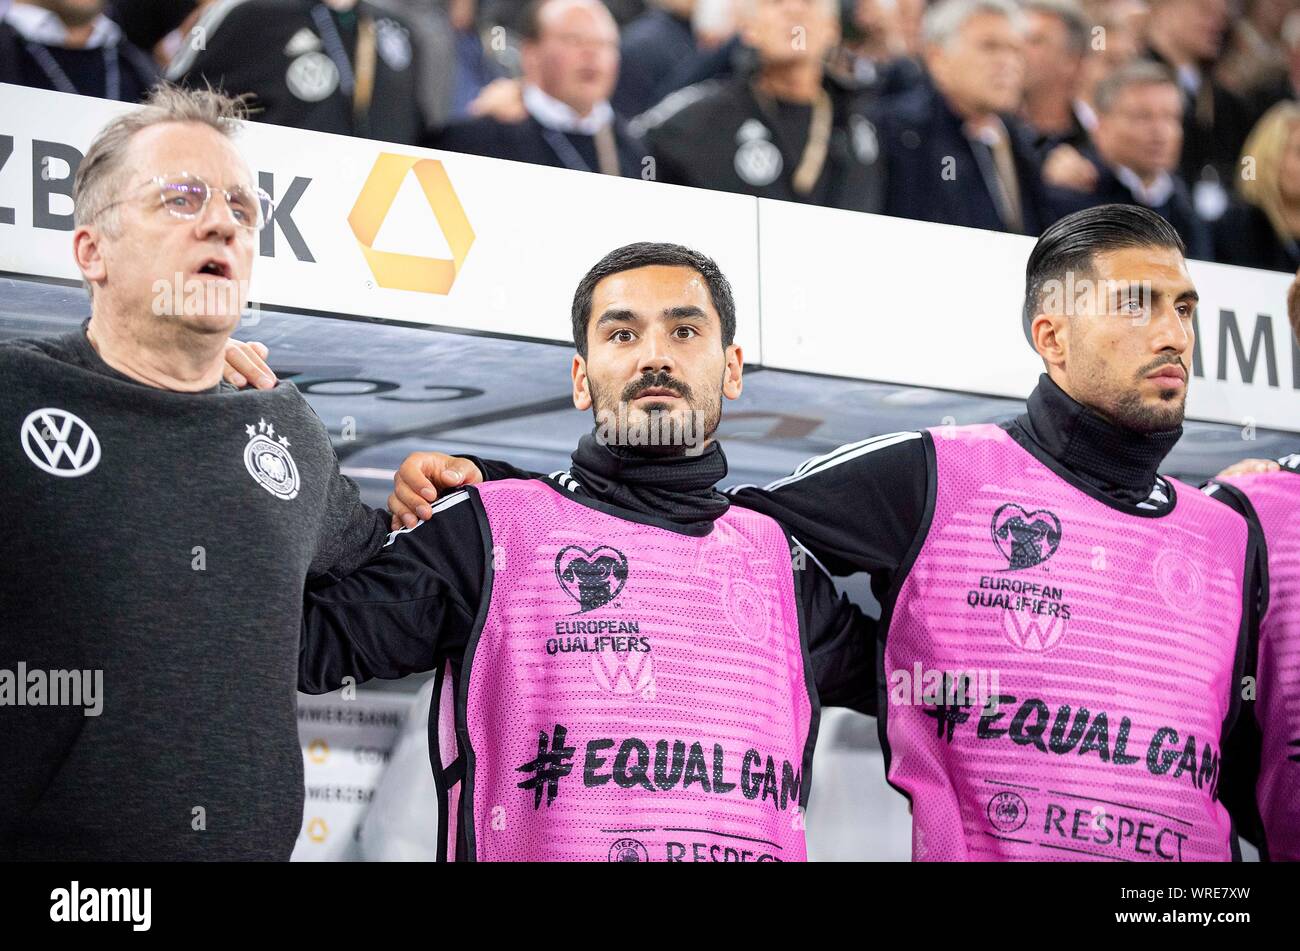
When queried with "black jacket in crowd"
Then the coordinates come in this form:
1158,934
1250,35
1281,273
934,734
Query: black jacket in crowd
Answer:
297,58
529,141
1178,209
721,135
652,49
145,22
1215,125
1245,236
1075,136
86,69
920,133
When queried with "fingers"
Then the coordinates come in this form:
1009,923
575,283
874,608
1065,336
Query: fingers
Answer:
502,99
448,472
258,370
427,472
235,358
1248,466
1066,168
261,356
1087,174
486,99
412,489
415,474
233,376
246,363
466,471
407,506
237,363
418,482
403,504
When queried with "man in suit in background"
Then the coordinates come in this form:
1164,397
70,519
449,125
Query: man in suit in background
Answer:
570,66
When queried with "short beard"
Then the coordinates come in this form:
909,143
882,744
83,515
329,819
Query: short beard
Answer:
660,433
1132,413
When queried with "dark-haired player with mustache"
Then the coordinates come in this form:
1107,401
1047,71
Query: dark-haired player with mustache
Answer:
1112,607
629,666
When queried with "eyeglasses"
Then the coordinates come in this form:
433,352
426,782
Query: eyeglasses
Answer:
186,196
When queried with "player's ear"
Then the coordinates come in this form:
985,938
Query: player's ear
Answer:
1050,334
89,254
581,391
732,382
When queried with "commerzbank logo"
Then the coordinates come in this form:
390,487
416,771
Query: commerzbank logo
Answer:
411,272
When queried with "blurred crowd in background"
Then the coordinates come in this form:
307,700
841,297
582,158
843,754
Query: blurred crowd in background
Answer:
996,114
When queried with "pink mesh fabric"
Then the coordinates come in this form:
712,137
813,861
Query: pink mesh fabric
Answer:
1276,499
1109,640
636,694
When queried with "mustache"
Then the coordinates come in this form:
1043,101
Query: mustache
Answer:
655,381
1165,361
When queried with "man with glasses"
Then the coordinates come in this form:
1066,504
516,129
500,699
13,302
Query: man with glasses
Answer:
148,648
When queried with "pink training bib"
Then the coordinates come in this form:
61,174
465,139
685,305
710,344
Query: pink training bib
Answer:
1080,658
635,693
1275,497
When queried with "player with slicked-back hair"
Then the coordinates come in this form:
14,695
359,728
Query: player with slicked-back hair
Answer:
1109,609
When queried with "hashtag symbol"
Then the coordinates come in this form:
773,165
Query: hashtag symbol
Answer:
948,713
551,765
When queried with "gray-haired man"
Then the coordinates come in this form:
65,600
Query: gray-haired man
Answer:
148,650
956,153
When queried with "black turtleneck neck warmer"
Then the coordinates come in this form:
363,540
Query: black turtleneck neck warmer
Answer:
678,489
1118,462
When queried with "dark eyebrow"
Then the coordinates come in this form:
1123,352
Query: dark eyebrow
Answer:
625,316
1187,295
617,316
685,310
